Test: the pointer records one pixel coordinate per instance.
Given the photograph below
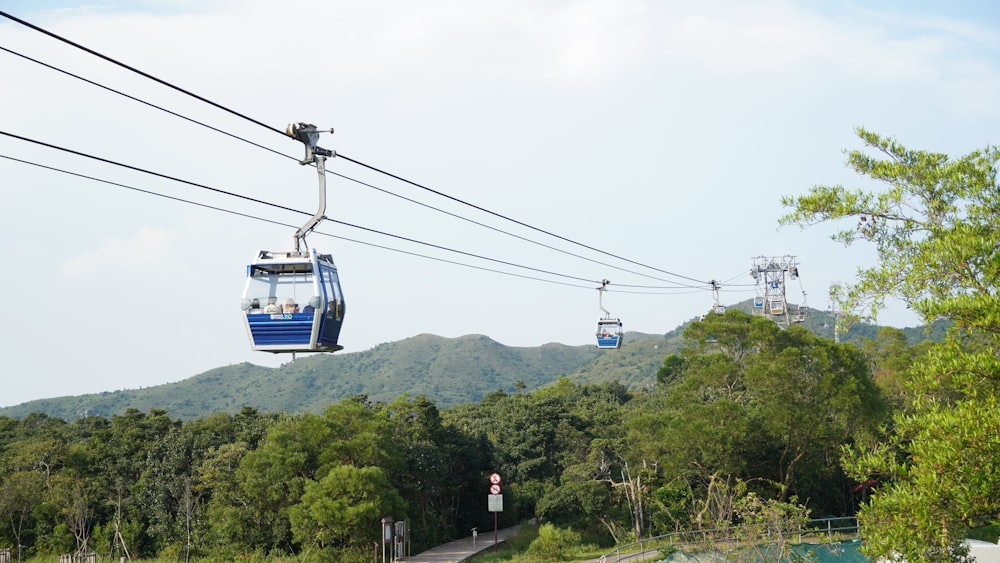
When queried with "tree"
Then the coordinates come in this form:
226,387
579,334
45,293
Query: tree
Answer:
890,358
254,511
20,492
737,402
936,228
442,469
344,507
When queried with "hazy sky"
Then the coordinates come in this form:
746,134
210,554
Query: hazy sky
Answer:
661,133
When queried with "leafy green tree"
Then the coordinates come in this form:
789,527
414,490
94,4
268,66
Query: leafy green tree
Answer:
217,478
442,474
738,401
891,357
20,492
253,512
344,507
769,527
935,225
597,491
581,502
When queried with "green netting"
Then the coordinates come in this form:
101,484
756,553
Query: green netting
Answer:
845,551
839,552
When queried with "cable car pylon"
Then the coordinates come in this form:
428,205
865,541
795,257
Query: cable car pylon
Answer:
292,300
609,329
717,306
772,301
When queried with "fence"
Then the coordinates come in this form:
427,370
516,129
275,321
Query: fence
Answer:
831,528
78,558
5,555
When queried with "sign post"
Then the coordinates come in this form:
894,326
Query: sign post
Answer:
386,536
495,503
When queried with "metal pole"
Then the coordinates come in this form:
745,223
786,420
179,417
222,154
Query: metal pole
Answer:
495,542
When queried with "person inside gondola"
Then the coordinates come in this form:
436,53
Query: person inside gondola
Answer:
291,306
272,306
255,306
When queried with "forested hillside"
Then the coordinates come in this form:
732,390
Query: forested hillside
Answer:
448,371
714,421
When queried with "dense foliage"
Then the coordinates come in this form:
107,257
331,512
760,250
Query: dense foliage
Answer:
144,484
722,427
935,223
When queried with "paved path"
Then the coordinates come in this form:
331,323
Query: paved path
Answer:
460,550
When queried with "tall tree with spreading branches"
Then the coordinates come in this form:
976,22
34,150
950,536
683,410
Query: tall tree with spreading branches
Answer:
935,223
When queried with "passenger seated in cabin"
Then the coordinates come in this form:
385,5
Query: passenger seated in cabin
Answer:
272,306
291,306
333,309
255,306
308,309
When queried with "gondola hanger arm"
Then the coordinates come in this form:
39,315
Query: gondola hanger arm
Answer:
308,134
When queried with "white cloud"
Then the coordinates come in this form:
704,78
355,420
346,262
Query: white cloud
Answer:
590,40
145,254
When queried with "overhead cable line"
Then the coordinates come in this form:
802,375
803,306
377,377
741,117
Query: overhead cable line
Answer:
150,172
262,202
141,101
515,221
279,223
366,184
359,163
137,71
496,229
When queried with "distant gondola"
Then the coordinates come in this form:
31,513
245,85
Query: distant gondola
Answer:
292,300
609,333
609,330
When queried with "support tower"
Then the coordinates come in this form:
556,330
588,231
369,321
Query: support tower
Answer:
770,299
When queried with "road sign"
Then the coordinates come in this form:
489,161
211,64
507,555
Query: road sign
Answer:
495,503
495,478
494,489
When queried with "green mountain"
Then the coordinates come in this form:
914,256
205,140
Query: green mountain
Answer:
448,371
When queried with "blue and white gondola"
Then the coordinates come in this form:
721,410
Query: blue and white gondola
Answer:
609,333
292,302
609,330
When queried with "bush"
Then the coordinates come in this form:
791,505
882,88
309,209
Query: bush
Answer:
554,544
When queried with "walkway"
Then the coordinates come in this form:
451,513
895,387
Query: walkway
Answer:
460,550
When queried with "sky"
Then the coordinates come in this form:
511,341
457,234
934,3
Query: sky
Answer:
653,139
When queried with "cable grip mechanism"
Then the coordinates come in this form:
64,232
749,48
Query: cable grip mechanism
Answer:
308,134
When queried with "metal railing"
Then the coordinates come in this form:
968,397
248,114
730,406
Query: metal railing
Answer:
844,526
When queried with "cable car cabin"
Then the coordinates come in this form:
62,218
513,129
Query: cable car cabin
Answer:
776,306
609,333
292,302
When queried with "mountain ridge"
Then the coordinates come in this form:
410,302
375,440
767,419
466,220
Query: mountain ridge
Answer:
448,371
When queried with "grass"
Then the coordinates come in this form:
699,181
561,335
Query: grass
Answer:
989,533
515,550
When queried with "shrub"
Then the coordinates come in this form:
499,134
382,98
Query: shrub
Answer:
554,544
